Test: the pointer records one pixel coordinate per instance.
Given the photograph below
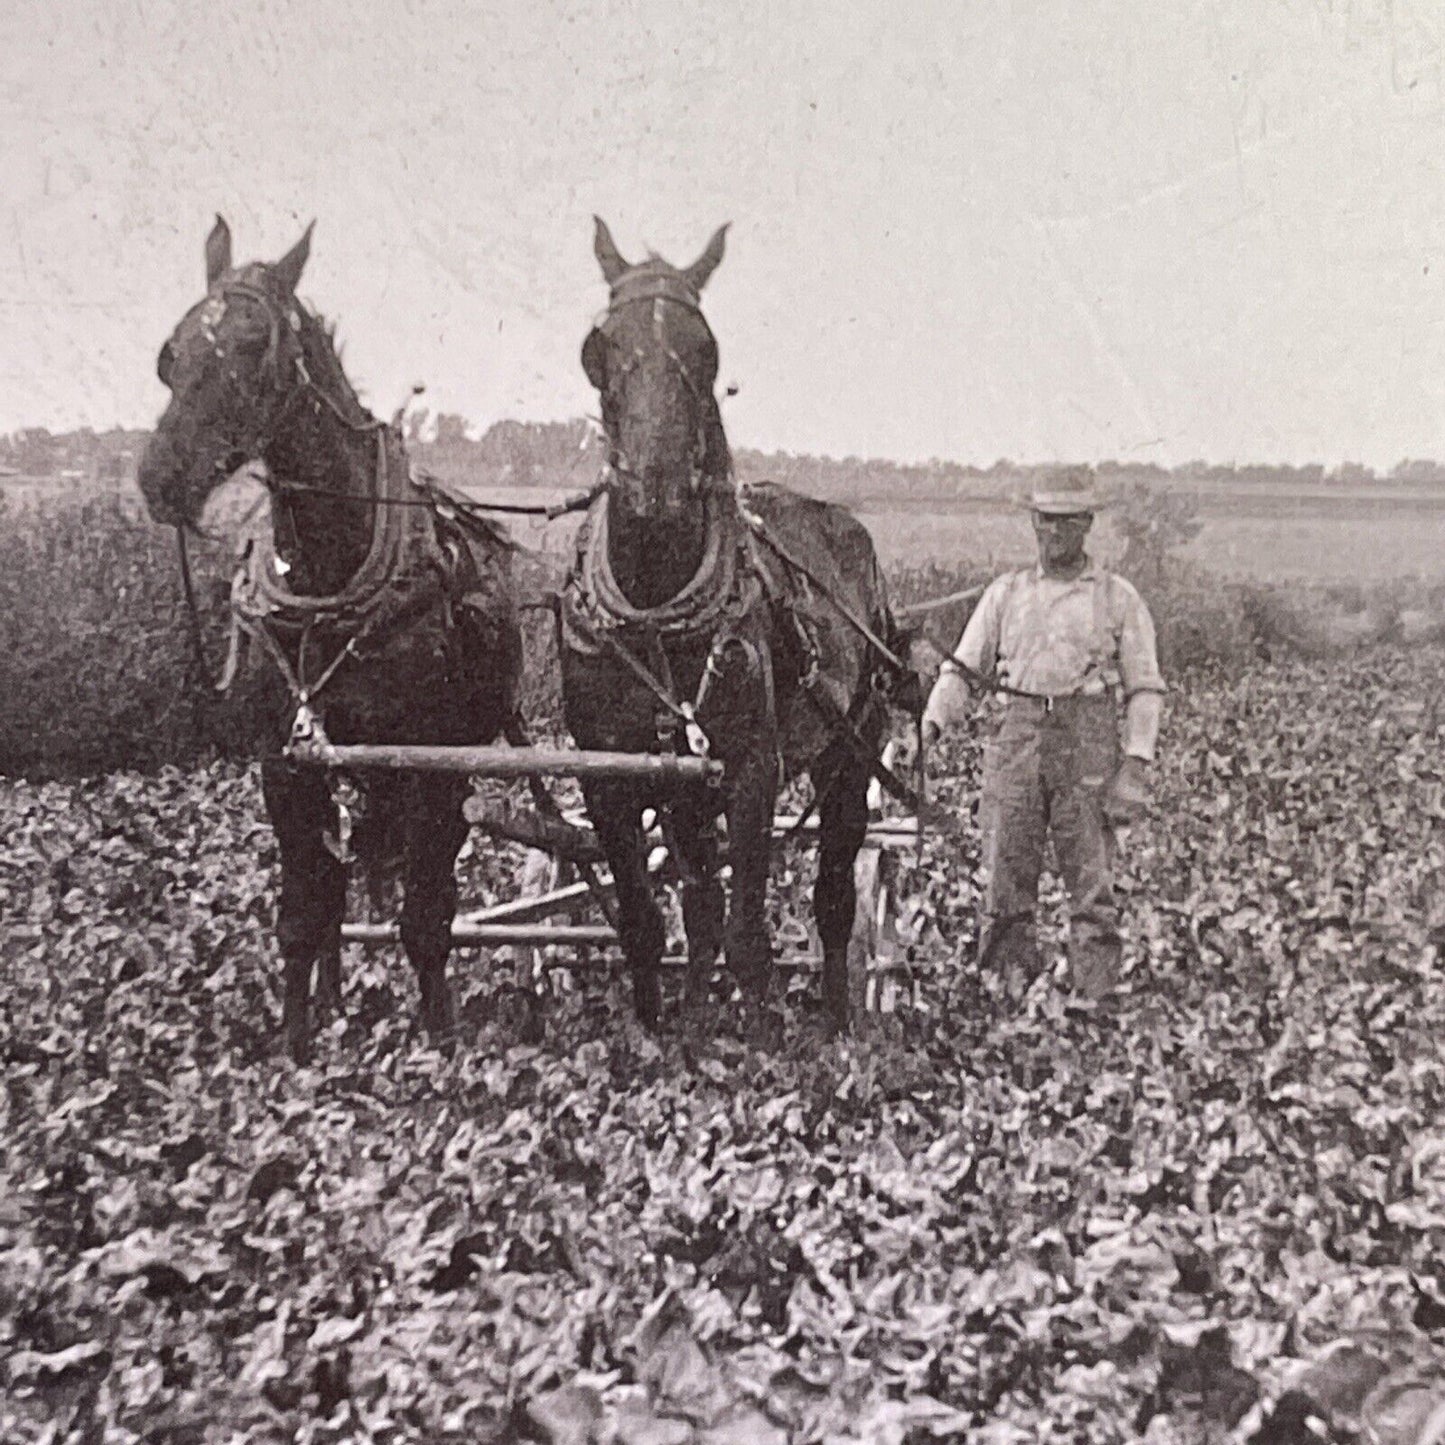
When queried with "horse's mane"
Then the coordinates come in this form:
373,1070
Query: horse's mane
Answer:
326,333
329,330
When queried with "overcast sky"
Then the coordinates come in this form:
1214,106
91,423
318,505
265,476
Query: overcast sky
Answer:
971,229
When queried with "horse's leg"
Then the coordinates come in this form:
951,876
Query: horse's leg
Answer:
704,905
328,980
435,832
842,826
752,788
380,842
616,816
312,901
328,954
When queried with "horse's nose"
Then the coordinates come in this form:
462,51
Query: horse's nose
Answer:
156,477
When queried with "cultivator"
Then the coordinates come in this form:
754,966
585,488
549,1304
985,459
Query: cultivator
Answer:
574,884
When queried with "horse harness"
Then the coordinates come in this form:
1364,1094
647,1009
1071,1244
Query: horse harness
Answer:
730,581
416,564
415,540
594,616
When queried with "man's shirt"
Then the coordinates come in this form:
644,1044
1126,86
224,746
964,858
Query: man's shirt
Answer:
1053,636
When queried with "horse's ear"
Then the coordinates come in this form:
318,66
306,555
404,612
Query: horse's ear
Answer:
608,256
290,266
707,263
218,251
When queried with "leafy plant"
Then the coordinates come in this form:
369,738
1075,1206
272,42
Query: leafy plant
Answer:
1210,1213
1155,523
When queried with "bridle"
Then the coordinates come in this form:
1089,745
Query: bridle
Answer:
278,401
598,612
275,399
657,291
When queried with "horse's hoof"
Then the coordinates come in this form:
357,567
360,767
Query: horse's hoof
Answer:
327,998
647,1001
442,1041
438,1014
518,1013
764,1028
534,1027
696,1012
836,1010
297,1033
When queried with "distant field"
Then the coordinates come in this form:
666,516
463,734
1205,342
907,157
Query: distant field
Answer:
1258,534
1325,538
1283,543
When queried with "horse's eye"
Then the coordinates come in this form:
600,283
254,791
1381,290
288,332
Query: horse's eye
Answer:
165,362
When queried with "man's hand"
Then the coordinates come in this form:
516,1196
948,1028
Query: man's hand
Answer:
1129,794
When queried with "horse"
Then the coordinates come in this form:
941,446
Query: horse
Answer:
752,625
386,618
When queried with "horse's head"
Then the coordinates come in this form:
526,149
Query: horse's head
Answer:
229,367
654,361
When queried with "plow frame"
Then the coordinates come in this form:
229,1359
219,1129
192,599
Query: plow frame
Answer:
880,977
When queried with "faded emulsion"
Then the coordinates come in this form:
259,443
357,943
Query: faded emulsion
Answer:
810,815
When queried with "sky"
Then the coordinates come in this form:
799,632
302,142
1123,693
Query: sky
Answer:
1035,229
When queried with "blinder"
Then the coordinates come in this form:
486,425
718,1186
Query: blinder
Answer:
593,358
271,361
213,311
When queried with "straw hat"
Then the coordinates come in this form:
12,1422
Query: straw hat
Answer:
1065,492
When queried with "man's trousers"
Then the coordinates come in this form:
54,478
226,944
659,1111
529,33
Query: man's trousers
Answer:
1046,771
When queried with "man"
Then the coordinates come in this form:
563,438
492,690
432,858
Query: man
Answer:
1061,644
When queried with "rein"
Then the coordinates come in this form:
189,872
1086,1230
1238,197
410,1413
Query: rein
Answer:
402,549
718,592
760,531
263,606
279,320
272,598
578,502
715,589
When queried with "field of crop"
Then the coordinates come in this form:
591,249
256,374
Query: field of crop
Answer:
1214,1212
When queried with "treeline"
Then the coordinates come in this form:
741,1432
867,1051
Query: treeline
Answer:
569,454
105,455
560,454
853,479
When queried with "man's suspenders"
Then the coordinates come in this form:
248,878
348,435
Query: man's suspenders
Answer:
1104,649
1106,639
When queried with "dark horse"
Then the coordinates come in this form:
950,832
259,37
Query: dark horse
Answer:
384,622
754,625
